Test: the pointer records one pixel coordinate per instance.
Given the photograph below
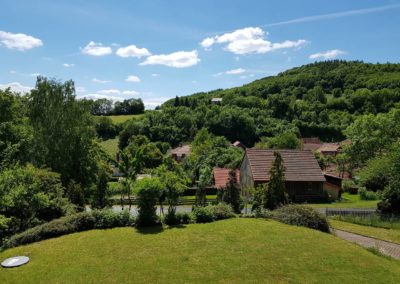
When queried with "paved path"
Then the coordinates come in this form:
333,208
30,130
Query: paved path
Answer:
387,248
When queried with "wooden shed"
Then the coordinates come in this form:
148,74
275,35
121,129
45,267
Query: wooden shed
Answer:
303,177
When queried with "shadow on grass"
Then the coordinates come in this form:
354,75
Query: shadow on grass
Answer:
150,230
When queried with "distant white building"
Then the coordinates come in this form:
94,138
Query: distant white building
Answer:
216,101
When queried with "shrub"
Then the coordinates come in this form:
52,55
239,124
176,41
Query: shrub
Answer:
108,219
202,215
184,217
221,211
368,195
349,186
301,216
148,191
171,218
70,224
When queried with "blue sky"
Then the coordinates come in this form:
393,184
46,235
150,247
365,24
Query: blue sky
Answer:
159,49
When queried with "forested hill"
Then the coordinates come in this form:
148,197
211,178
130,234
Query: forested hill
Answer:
319,99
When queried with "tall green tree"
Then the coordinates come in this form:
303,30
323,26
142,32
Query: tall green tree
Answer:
275,195
231,193
63,132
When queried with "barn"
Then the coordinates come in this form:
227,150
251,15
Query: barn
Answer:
303,177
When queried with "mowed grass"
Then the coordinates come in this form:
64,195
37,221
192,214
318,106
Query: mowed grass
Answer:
348,201
122,118
378,233
110,146
231,251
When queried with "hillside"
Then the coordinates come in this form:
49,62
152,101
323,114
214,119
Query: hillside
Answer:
231,251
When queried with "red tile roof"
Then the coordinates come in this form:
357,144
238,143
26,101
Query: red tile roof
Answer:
299,165
311,146
311,140
221,177
329,147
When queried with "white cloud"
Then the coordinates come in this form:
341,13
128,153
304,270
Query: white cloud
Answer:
329,54
25,74
155,75
130,93
109,92
19,41
16,87
179,59
152,103
68,65
207,42
80,90
235,71
96,49
249,40
132,51
101,96
100,81
132,78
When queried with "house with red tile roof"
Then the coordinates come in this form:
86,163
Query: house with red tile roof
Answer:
304,179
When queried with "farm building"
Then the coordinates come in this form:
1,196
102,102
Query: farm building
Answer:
303,176
316,145
181,152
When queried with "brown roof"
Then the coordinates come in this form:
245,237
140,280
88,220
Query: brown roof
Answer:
221,177
181,151
329,147
311,146
299,165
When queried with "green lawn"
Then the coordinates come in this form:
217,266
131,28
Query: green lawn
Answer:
379,233
348,201
110,146
122,118
230,251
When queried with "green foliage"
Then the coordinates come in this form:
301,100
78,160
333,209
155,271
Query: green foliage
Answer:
30,196
70,224
349,186
275,195
375,175
368,195
221,211
105,128
202,215
391,194
286,140
147,192
63,132
301,216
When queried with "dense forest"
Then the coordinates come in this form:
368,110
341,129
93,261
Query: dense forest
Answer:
51,162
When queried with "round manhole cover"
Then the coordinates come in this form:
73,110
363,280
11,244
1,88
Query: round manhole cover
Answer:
15,261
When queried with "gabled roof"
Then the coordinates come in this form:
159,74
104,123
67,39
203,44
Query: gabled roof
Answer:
221,177
299,165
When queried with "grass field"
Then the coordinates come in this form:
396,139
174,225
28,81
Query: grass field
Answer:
122,118
379,233
348,201
110,146
230,251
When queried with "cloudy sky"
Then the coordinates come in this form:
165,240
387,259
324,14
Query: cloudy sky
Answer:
159,49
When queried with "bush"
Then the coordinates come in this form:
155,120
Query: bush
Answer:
70,224
202,215
173,219
105,219
148,191
301,216
368,195
350,187
221,211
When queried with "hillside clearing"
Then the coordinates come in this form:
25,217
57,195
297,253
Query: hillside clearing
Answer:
110,146
230,251
122,118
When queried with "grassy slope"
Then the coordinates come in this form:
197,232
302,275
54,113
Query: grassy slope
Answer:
230,251
110,146
379,233
122,118
348,201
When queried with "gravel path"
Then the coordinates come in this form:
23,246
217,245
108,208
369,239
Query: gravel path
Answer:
387,248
